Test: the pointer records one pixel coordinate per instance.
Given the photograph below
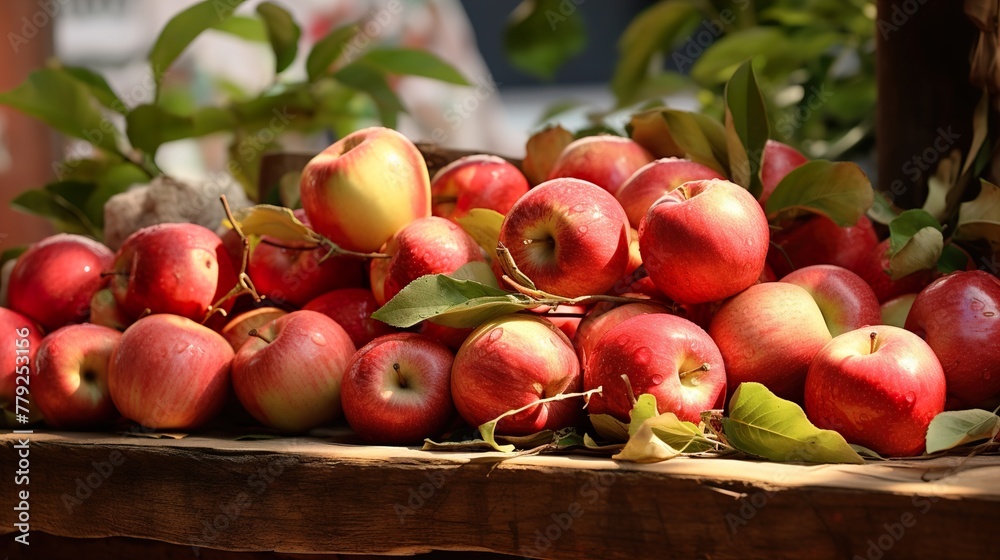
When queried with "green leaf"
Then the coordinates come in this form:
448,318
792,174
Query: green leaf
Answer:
414,62
11,253
980,218
488,430
643,409
476,271
882,211
762,424
837,190
953,428
327,50
273,221
450,302
64,103
721,60
483,225
673,133
98,87
558,108
184,28
543,34
915,243
609,427
657,28
150,126
244,27
283,33
747,129
56,203
663,437
367,79
952,259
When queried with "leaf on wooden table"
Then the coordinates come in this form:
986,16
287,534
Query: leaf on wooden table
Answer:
957,427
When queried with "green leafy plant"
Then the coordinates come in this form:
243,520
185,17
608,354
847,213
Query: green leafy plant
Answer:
345,87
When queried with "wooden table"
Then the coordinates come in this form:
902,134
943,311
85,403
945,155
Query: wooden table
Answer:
308,495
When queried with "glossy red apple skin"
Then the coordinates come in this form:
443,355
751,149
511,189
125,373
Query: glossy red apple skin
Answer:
169,373
656,179
425,246
380,409
604,317
12,326
363,188
704,241
237,330
769,334
292,277
511,362
70,384
352,309
874,269
883,400
178,269
477,181
959,317
779,160
847,302
819,240
654,350
293,382
578,237
452,337
53,280
569,322
607,161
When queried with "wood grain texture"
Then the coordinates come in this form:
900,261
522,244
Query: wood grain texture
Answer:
305,495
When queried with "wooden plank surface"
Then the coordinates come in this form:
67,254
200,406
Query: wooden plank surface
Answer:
307,495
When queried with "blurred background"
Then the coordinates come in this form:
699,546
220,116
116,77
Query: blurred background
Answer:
255,82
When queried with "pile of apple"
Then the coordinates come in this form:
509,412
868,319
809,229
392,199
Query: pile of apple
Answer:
711,297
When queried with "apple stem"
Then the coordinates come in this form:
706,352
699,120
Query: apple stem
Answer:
288,247
399,375
257,334
702,367
628,389
872,336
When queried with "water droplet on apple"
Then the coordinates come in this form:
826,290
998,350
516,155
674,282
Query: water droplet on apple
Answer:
910,397
582,229
494,335
623,340
578,208
863,418
657,379
182,347
318,339
643,356
988,314
748,242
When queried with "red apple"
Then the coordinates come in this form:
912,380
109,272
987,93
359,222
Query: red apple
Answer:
569,237
70,385
896,310
512,362
20,338
478,181
288,374
180,269
770,334
879,386
846,301
605,160
656,179
169,373
602,318
237,330
425,246
362,189
663,355
53,280
397,389
452,337
565,317
819,240
779,160
704,241
290,275
352,309
959,317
